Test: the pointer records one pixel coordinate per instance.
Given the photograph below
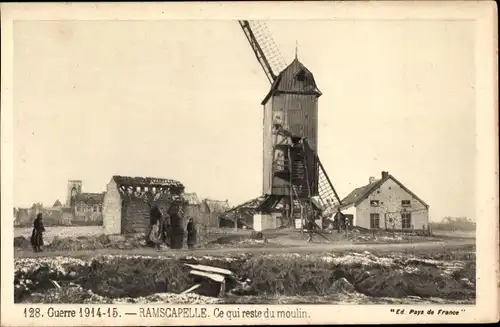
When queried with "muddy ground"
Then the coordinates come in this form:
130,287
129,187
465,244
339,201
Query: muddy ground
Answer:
88,239
409,276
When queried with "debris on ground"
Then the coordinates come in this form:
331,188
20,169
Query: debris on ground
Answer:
149,278
76,294
218,282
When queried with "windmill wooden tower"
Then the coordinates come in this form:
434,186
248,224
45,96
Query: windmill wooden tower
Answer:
293,176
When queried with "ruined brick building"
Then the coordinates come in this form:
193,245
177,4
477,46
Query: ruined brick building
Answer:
128,201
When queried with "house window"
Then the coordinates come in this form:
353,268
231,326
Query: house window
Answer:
406,203
374,203
374,220
406,220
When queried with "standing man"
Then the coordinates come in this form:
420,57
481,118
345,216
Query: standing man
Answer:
176,221
191,233
37,233
166,231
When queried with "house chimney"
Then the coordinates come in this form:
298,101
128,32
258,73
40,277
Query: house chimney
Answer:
372,180
385,174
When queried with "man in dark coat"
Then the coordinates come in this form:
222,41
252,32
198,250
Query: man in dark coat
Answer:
37,234
176,222
167,231
191,233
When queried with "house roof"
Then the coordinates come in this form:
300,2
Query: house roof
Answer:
217,206
289,81
146,181
57,203
90,198
361,193
191,198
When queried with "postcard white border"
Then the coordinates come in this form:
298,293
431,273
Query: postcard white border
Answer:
482,12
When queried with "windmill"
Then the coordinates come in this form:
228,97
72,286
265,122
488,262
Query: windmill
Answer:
293,177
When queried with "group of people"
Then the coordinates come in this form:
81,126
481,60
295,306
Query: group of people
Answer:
165,229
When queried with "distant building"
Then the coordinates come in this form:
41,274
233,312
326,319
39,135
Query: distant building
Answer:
23,217
243,214
74,187
213,211
66,216
193,206
128,201
86,207
216,206
57,204
386,203
80,208
26,216
205,212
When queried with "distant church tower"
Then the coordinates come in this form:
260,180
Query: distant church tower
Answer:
292,103
74,188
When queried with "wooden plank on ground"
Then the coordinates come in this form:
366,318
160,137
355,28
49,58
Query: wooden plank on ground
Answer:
56,284
210,269
214,277
192,288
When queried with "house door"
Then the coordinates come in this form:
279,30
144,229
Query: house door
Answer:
406,220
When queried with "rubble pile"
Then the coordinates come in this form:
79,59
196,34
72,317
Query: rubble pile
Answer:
38,275
93,242
21,242
76,294
89,242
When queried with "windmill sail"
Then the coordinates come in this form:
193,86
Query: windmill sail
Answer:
265,49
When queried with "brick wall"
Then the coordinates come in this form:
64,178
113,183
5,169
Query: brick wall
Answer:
136,216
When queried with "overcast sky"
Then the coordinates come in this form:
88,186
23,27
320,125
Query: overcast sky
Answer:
181,100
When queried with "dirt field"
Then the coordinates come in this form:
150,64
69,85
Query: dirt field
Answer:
230,237
455,234
84,241
61,231
302,248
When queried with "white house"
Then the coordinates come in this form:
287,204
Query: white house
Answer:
386,203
